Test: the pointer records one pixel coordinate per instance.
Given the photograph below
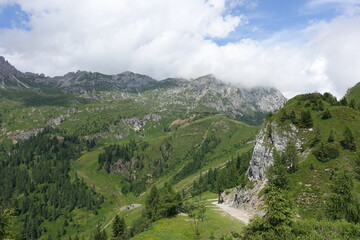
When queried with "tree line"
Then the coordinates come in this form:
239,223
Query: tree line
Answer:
217,180
36,183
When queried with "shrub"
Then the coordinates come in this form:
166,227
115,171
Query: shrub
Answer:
325,152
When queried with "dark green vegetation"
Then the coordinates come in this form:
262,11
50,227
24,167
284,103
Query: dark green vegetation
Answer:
229,176
36,182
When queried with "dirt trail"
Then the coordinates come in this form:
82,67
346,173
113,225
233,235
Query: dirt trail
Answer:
239,214
124,208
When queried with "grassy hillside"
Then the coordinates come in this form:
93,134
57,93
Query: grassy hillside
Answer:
216,224
311,184
315,186
236,137
354,94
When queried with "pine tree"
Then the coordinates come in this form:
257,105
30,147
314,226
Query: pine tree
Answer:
292,117
325,152
278,173
290,157
169,201
317,137
331,136
328,97
320,105
344,102
283,115
278,208
152,204
348,141
119,227
277,222
326,114
306,119
342,204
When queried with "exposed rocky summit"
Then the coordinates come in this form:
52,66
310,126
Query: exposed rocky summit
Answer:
72,82
209,92
6,69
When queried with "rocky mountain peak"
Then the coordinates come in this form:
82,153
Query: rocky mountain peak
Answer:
6,68
207,80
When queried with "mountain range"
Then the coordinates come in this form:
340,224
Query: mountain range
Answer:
207,91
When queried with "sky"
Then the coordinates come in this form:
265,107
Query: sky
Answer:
297,46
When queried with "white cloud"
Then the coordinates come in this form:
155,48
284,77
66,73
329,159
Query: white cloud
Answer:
164,38
345,7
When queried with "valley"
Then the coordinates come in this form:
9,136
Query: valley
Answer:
85,151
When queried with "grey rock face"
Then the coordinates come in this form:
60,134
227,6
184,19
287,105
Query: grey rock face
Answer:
73,82
136,123
207,91
6,69
262,157
270,137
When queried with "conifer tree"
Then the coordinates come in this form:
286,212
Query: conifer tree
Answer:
290,157
331,136
352,104
152,204
277,222
341,203
306,119
292,116
119,227
169,201
326,114
317,137
278,174
348,141
344,102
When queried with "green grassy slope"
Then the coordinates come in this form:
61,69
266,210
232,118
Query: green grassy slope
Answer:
310,185
236,137
354,94
216,223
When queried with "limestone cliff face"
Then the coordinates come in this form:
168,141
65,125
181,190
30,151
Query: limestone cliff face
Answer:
271,137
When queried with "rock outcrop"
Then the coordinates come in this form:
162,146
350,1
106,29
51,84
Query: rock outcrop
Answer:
207,91
271,137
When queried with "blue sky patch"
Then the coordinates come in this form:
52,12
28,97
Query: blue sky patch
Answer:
12,16
271,17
